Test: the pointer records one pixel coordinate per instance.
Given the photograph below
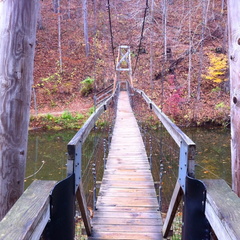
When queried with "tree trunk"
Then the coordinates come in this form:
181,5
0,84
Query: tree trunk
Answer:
18,20
55,5
201,50
222,7
234,55
69,9
165,28
151,43
85,22
190,48
59,38
39,18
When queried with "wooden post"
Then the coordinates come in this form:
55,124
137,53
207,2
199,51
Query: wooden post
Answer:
234,60
17,44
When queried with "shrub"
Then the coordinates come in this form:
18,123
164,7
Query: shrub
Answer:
87,86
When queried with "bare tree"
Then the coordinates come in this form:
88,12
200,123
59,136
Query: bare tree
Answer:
55,5
151,43
164,10
85,22
222,6
69,9
18,20
59,38
201,49
39,18
190,48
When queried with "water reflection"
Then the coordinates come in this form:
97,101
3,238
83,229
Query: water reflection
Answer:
46,158
213,152
48,149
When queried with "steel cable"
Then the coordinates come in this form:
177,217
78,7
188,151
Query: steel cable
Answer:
111,32
141,38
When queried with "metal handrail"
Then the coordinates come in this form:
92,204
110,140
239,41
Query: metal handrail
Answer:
75,157
186,159
103,95
177,134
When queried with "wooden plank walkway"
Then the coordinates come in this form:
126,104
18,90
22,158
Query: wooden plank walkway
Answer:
127,206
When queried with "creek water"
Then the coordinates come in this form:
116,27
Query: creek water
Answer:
46,158
213,159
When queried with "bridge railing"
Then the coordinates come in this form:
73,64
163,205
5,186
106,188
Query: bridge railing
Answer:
46,209
211,209
87,153
182,154
103,95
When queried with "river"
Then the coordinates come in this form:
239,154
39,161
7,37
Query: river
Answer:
46,159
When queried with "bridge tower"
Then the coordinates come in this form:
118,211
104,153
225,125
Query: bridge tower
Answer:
124,64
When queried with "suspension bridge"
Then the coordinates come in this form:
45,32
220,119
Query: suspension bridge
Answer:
127,206
120,182
129,203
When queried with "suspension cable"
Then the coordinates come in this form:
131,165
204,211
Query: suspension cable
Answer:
140,42
111,33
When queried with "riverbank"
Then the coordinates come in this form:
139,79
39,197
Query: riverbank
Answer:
184,114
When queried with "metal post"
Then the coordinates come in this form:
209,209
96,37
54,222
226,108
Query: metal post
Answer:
94,187
150,153
104,153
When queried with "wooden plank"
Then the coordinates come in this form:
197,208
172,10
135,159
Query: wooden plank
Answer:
129,186
127,209
136,215
118,192
222,209
125,228
128,168
128,221
127,206
138,178
125,235
30,214
126,171
134,201
83,208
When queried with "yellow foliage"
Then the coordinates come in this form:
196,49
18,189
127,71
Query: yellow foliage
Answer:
217,67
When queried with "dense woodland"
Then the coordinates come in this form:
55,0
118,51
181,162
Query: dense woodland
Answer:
178,48
179,57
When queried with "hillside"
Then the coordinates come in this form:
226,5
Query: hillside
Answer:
181,62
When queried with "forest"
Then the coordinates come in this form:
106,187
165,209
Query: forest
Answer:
178,53
56,56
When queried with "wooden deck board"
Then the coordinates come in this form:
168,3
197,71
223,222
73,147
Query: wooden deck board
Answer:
127,206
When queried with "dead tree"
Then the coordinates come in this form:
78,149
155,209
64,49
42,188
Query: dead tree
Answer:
18,20
85,23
